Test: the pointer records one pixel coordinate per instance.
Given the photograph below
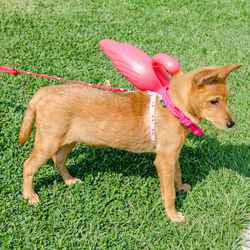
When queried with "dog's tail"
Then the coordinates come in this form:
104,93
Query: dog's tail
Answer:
29,118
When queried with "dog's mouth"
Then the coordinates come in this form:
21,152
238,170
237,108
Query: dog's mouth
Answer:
221,121
222,125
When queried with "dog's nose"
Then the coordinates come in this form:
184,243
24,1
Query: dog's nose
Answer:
230,124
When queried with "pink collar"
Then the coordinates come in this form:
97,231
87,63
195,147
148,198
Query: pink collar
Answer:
178,113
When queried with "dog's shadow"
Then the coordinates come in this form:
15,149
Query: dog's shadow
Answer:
205,154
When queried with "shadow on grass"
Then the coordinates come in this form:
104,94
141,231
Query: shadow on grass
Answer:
206,154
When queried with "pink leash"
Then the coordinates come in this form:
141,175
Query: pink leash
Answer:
15,73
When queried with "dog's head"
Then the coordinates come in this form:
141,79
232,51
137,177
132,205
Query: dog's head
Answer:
211,93
205,95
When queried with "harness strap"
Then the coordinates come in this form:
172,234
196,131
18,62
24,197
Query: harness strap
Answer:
153,96
152,118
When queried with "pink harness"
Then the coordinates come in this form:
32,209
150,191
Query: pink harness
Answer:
167,102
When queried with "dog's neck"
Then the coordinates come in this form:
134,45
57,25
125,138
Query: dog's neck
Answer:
180,89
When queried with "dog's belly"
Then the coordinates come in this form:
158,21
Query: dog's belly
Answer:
118,133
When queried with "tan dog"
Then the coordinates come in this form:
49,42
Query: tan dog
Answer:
67,114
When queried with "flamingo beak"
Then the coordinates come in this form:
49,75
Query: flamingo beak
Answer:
178,74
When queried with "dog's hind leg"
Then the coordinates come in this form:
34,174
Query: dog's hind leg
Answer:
59,159
179,186
41,153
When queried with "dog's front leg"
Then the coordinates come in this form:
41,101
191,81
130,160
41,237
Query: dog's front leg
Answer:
165,164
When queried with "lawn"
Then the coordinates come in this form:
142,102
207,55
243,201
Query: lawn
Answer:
119,203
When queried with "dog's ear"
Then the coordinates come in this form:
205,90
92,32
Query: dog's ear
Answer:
208,76
205,77
226,70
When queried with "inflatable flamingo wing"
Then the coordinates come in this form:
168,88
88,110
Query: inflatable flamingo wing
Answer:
134,64
144,72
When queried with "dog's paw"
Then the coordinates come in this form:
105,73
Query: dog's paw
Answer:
177,217
184,188
72,181
32,198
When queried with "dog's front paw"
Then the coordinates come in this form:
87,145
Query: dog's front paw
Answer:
184,188
177,217
72,181
32,198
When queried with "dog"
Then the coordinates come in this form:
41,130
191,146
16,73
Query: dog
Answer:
67,114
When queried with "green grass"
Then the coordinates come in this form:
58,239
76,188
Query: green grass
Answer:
119,204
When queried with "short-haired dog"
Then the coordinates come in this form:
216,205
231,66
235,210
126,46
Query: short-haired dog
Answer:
68,114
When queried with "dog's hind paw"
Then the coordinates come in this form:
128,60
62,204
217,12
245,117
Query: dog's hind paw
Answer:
184,188
177,217
72,181
32,198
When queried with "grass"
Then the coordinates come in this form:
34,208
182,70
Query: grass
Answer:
119,203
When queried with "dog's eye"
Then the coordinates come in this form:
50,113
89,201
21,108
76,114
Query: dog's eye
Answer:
215,102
